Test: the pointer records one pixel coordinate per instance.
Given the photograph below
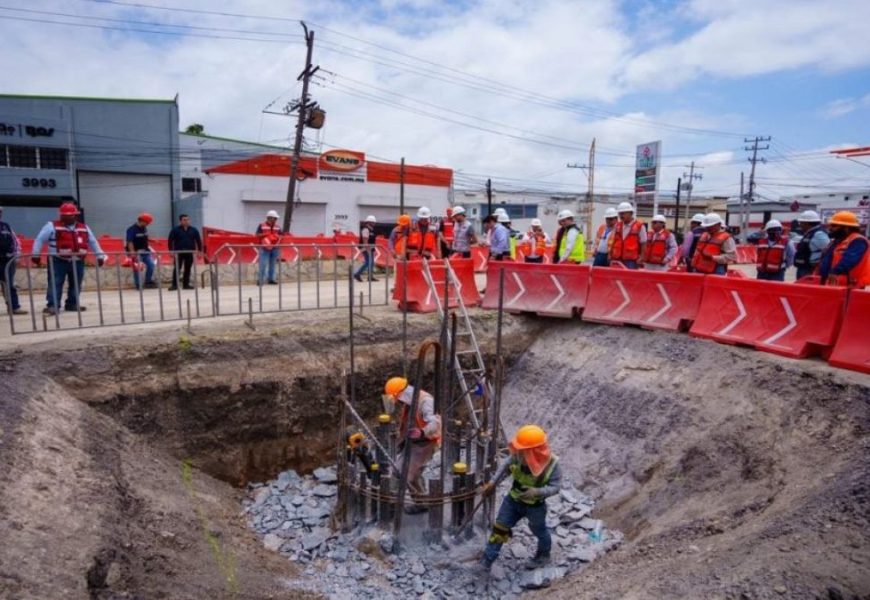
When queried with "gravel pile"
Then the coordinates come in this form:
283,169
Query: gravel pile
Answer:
292,514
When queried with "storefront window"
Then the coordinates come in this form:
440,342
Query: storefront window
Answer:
53,158
22,157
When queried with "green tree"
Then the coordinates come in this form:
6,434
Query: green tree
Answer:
195,129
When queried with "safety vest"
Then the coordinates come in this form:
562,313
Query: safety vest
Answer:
708,247
447,230
420,423
578,252
859,276
803,253
421,242
656,247
7,240
538,243
602,230
771,259
523,479
269,234
69,242
512,243
627,248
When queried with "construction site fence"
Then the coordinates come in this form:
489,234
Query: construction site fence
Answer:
306,277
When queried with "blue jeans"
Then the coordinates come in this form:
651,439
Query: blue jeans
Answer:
804,271
146,259
510,513
60,270
10,293
600,260
268,257
367,264
630,264
779,276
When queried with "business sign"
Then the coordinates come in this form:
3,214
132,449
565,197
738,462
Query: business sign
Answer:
646,168
342,165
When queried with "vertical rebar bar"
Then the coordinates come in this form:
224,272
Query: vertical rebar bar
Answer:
160,289
405,317
280,284
120,289
195,287
362,501
350,335
375,488
457,512
99,294
436,509
77,287
298,280
386,506
30,294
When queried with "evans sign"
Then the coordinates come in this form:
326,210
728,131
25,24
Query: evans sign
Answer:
342,165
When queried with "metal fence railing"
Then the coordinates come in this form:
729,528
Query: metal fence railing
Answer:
77,292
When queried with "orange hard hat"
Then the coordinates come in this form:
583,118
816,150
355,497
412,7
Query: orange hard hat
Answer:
395,386
529,436
845,217
145,218
68,208
404,221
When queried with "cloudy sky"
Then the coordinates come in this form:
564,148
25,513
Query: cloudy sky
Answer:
508,89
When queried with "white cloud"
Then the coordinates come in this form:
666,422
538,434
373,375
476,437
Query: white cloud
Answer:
844,106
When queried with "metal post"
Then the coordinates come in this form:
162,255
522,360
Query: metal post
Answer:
350,334
375,489
188,315
30,293
280,284
160,288
335,276
239,273
195,287
140,287
436,510
99,294
405,317
317,274
361,302
77,288
457,514
250,321
120,289
386,510
298,280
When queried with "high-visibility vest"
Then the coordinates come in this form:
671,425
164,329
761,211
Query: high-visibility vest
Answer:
629,247
578,252
524,480
656,247
859,276
708,247
602,230
421,242
538,243
269,234
771,258
420,423
71,242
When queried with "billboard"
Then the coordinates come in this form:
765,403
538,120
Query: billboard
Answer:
342,165
646,168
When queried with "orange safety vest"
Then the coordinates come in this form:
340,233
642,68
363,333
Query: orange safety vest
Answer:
708,247
602,229
269,234
447,230
421,424
656,247
540,243
69,242
771,259
421,242
859,276
628,248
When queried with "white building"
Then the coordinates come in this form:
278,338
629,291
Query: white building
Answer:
336,189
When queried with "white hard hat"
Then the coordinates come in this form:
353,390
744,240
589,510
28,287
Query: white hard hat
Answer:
809,216
272,214
773,224
565,214
610,213
503,218
424,213
371,219
659,218
536,223
711,219
698,218
625,207
458,210
499,211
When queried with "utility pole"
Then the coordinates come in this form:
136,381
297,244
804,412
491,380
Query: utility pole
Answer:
402,187
744,211
589,169
677,211
488,197
302,107
754,160
691,176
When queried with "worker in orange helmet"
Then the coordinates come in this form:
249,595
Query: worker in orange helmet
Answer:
422,431
399,236
536,476
846,261
139,250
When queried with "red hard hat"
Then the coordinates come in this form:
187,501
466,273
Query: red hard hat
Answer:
68,208
145,218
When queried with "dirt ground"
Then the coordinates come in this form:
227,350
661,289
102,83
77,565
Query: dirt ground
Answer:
735,474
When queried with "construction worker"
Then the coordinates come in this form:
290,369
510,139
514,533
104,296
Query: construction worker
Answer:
570,246
269,233
811,246
715,248
629,237
463,233
661,246
367,237
422,432
536,476
690,241
358,449
399,237
139,250
68,240
184,240
603,238
445,233
774,254
846,261
422,239
10,249
500,240
537,240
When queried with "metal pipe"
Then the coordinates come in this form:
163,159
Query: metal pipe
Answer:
239,277
77,288
195,287
160,288
30,290
350,334
99,294
457,513
120,290
405,317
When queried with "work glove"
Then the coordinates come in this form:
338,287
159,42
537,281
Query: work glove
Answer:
488,488
415,434
35,260
530,494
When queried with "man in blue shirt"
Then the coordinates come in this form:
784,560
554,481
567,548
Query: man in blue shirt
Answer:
10,248
813,243
183,240
139,250
500,244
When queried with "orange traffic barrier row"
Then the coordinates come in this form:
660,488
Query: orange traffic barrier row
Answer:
550,290
418,295
852,350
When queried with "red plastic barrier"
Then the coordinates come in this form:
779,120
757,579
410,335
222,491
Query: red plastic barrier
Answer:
790,319
746,254
480,256
419,295
383,256
524,249
551,290
651,299
852,350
